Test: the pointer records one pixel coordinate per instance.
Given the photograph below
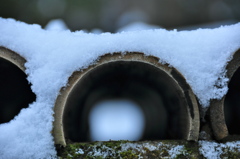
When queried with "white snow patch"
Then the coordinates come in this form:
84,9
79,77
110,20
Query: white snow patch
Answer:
52,56
80,151
213,150
134,146
150,147
174,151
103,152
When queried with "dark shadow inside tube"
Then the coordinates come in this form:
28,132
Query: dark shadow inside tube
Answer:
158,95
232,104
15,92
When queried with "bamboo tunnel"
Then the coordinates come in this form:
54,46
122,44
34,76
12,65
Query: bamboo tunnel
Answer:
136,77
15,92
224,113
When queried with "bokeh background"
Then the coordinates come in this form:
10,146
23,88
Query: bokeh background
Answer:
110,15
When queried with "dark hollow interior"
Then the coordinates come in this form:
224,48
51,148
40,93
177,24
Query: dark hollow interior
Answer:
148,86
232,104
15,92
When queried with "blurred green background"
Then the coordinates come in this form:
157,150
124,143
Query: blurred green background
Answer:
109,15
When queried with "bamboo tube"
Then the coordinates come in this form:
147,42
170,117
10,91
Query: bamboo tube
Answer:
131,75
217,117
15,90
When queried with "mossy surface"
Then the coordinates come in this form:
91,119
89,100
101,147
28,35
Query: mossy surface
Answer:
125,149
143,149
96,150
227,152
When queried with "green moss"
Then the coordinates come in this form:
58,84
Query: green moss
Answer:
190,150
127,149
129,154
96,150
71,151
230,153
143,149
116,145
164,153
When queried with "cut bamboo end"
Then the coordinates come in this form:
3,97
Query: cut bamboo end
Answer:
224,112
134,76
15,89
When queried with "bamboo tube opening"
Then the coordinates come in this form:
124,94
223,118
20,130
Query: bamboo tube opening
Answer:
232,105
170,108
224,113
15,92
